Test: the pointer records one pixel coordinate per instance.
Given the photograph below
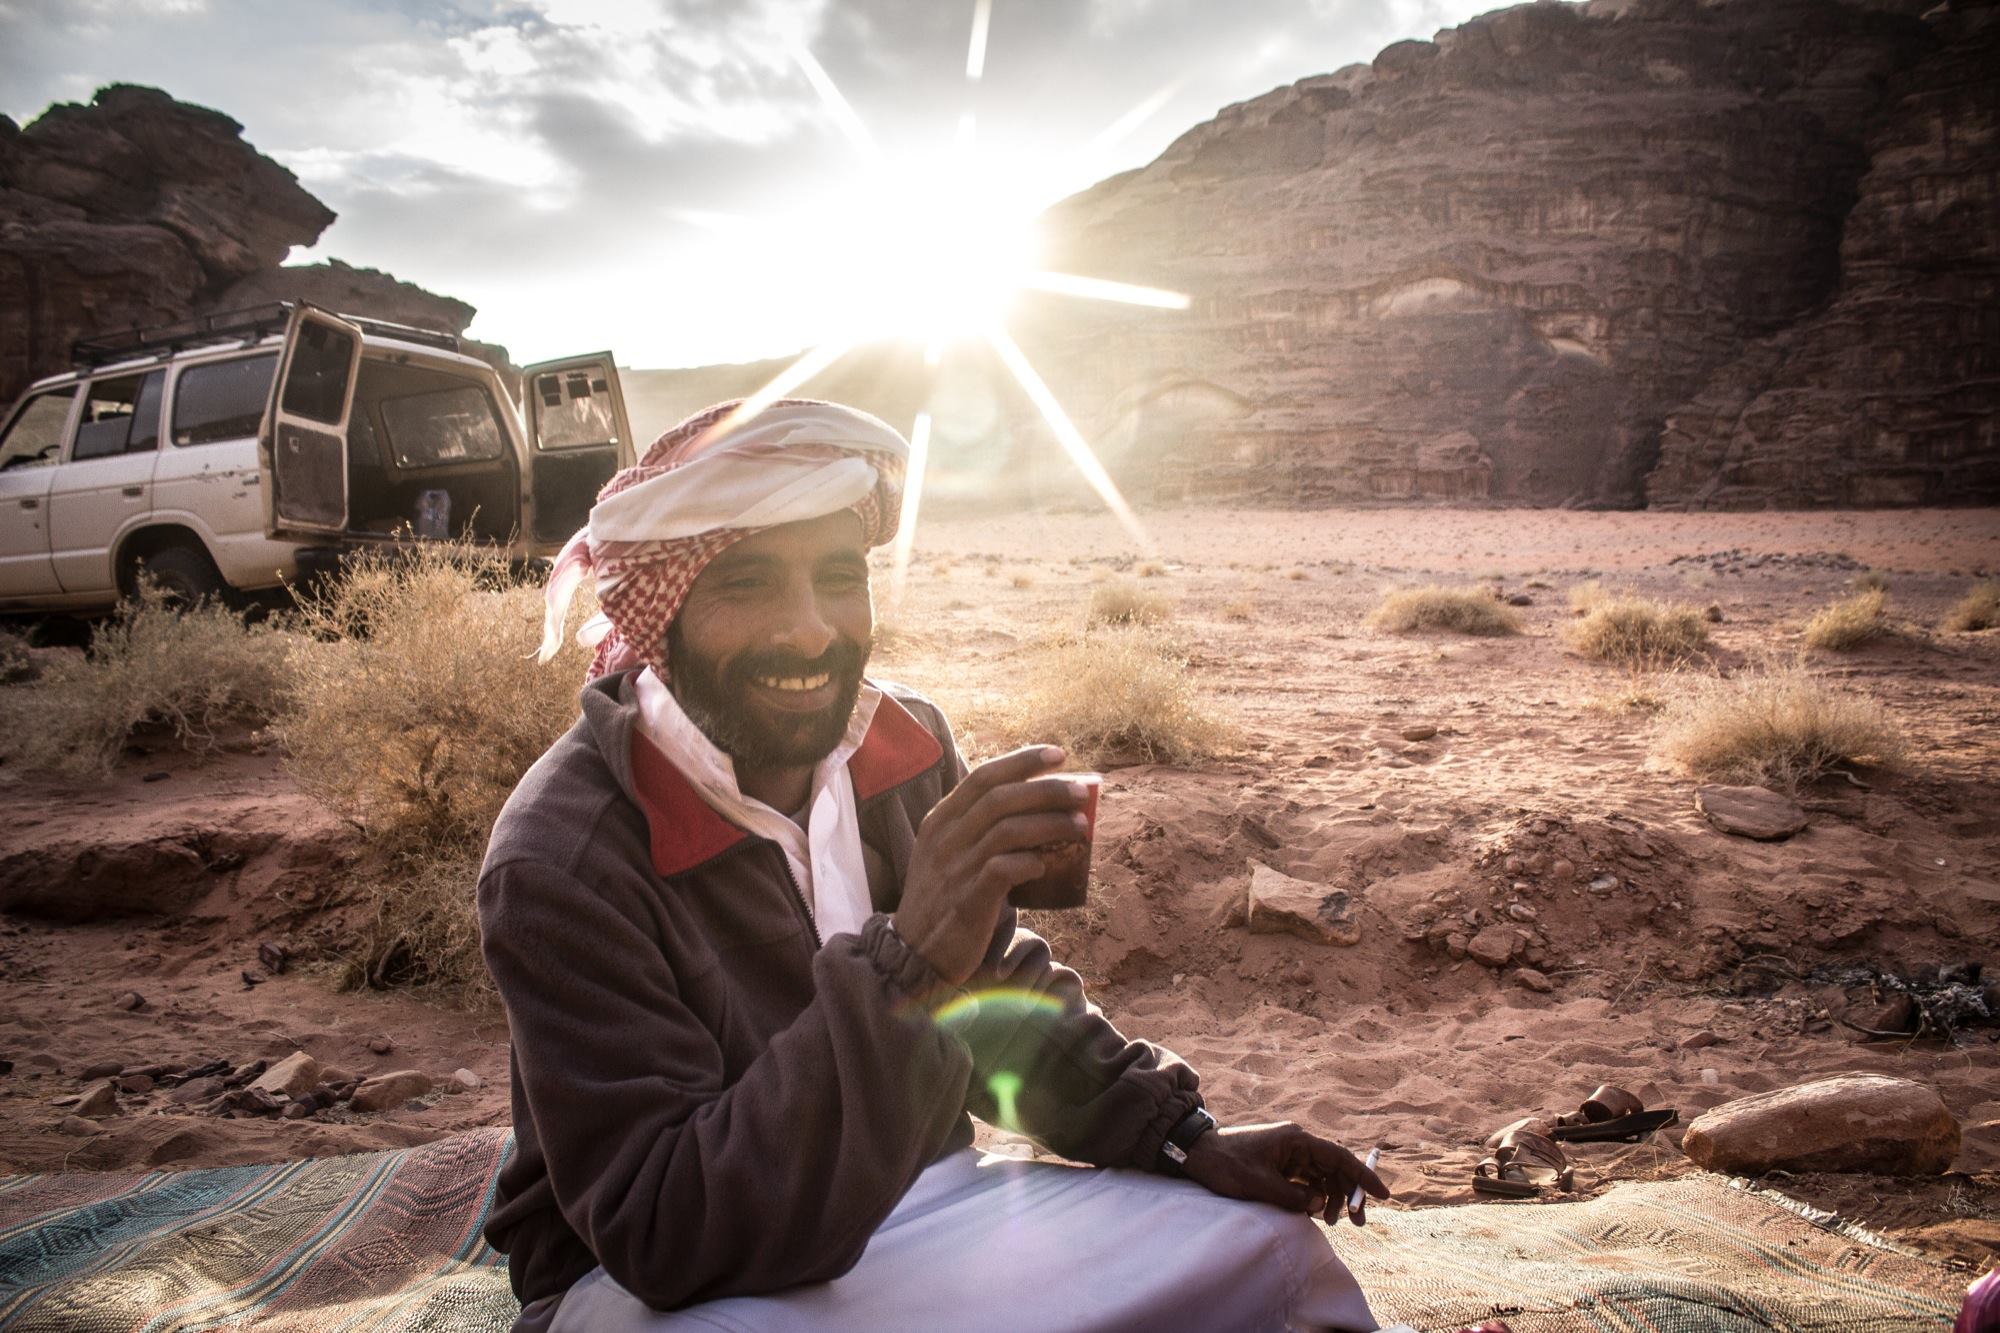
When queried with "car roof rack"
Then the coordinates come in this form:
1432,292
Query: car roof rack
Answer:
249,325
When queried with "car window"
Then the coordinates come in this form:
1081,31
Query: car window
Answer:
316,382
223,400
35,438
120,415
454,425
576,409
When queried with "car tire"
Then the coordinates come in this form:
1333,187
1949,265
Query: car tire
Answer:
185,574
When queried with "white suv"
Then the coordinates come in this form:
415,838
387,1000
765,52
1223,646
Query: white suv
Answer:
243,450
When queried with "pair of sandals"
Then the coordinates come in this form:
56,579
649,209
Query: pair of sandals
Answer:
1526,1157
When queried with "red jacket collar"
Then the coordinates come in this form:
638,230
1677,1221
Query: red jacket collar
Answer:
685,830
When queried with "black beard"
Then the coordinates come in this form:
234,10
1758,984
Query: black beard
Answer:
717,703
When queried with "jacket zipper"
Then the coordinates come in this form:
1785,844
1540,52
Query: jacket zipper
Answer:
799,897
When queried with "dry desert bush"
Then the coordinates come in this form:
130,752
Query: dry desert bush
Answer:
1151,569
1459,610
1849,622
148,665
1978,609
1639,634
416,704
1775,725
1241,611
1870,580
1022,579
1587,594
1124,602
1116,692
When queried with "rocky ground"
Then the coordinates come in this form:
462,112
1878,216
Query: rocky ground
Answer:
1534,902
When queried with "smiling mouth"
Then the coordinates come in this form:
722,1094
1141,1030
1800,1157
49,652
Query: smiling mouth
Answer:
795,684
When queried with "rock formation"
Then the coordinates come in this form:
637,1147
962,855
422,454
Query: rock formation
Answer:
1732,253
1888,395
138,210
1489,265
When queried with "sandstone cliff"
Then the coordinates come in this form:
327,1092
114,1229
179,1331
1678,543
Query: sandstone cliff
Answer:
1889,394
137,210
1493,265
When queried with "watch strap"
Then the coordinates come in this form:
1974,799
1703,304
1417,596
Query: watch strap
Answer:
1189,1128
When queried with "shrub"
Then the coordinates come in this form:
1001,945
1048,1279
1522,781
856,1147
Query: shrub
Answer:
1116,692
1776,725
422,927
1978,609
1586,595
417,704
1849,623
1460,610
148,665
17,662
1870,580
1022,579
1151,569
1296,575
1241,610
1639,634
1125,603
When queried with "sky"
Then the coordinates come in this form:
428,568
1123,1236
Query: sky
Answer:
698,181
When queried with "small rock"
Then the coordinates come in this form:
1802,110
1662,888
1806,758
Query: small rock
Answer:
1604,884
1280,904
387,1090
99,1099
1562,868
137,1085
243,1073
1711,1077
1520,599
251,978
294,1076
196,1090
334,1074
1521,912
273,957
1494,946
1713,614
1421,731
1456,944
77,1125
246,1101
102,1069
1750,812
129,1000
1851,1122
381,1045
467,1081
298,1110
158,775
1534,980
1695,1041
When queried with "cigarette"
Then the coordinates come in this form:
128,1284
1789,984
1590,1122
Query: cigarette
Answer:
1354,1199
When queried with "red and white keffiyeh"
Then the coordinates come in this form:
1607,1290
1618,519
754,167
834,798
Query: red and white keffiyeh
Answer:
711,481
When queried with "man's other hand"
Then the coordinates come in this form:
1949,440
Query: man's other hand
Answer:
974,847
1283,1165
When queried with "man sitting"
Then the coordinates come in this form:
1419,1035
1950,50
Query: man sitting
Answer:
749,920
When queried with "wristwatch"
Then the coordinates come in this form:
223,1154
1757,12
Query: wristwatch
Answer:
1174,1152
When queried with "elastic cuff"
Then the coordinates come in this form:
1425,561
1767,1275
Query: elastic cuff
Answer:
909,974
1146,1154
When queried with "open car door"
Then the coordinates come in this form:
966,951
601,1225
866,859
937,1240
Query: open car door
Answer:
578,435
303,440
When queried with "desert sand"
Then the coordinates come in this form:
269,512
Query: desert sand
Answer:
1700,978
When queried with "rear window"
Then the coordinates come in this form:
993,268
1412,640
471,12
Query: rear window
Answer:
454,425
575,409
120,416
223,400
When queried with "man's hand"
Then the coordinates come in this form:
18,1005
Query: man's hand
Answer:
1283,1165
974,847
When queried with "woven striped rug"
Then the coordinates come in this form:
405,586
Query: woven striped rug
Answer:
390,1241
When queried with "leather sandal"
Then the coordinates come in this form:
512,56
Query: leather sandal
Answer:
1611,1115
1524,1161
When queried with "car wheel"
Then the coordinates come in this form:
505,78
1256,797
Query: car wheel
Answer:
186,575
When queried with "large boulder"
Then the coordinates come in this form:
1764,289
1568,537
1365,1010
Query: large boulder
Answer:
1852,1122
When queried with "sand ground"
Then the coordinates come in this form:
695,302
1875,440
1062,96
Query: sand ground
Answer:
1702,977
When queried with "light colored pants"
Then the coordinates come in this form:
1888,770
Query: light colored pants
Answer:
993,1243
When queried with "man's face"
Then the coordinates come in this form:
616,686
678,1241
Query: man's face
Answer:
767,652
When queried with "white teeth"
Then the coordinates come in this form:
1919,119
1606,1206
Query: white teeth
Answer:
795,683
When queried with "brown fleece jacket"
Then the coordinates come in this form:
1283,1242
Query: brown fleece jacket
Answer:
706,1102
